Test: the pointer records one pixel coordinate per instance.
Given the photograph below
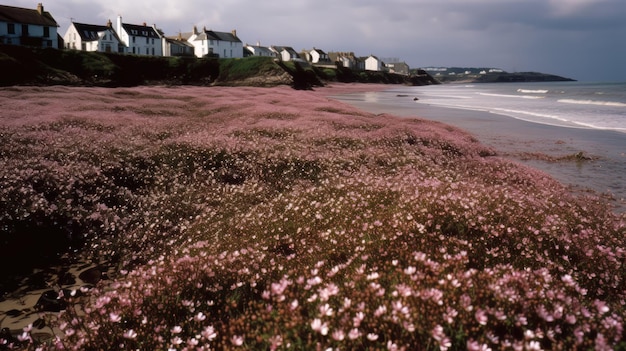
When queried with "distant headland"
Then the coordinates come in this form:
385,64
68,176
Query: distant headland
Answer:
489,75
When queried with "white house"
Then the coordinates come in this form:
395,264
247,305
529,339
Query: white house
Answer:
285,53
212,43
92,37
20,26
176,46
139,39
318,56
372,63
258,50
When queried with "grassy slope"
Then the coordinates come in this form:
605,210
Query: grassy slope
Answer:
69,67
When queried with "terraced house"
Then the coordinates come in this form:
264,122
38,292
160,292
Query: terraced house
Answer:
29,27
91,37
139,39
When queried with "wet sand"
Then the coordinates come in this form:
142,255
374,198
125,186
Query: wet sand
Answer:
600,167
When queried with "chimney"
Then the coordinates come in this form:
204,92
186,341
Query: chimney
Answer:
144,24
195,30
109,23
119,25
234,31
40,8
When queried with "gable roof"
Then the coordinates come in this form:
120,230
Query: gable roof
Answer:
213,35
140,31
178,40
89,32
289,49
260,50
12,14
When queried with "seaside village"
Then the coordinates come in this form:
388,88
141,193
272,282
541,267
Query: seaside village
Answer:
37,27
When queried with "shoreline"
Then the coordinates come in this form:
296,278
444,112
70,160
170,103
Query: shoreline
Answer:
573,156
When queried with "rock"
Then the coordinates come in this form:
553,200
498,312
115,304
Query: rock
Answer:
49,302
67,278
91,276
13,313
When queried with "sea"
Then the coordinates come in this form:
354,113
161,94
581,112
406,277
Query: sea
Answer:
519,119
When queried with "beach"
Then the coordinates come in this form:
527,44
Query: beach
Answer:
161,217
584,159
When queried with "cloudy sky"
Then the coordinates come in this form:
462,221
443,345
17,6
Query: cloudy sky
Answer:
580,39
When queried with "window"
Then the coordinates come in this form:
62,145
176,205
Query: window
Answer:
24,29
147,40
46,32
134,40
11,28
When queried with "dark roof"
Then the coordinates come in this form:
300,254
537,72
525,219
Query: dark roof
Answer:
89,32
12,14
178,41
223,36
140,31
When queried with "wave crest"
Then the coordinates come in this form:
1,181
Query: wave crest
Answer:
592,102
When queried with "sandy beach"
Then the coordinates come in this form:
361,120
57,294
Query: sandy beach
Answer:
545,147
261,218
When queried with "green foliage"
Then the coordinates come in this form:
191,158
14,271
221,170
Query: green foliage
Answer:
242,68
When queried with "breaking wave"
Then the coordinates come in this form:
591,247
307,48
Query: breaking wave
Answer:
592,102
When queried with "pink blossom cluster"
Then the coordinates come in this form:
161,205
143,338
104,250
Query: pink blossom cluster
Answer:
253,218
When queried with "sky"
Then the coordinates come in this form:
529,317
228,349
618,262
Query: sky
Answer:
580,39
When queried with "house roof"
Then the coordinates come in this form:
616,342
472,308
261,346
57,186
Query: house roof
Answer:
12,14
140,31
284,48
213,35
89,32
321,52
178,40
257,49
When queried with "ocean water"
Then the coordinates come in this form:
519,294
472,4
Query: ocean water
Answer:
520,119
568,104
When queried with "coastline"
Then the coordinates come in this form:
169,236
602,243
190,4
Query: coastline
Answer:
548,148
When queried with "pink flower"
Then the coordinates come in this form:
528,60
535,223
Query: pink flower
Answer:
237,340
114,317
176,340
338,335
354,333
372,336
130,334
199,317
209,333
481,317
319,327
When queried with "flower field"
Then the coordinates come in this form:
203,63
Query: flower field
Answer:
277,219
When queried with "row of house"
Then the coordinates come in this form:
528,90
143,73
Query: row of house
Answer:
36,27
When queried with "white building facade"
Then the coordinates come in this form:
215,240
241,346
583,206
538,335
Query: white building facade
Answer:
28,27
139,39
